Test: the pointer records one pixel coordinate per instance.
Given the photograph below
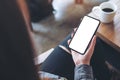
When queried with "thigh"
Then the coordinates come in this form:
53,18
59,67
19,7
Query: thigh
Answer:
60,62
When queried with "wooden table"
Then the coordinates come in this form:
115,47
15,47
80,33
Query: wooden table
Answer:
110,33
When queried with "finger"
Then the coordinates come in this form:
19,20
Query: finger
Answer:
92,45
73,52
93,42
73,32
75,29
69,41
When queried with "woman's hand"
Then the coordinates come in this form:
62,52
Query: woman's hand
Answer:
84,59
78,58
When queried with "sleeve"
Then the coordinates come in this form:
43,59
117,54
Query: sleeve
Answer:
83,72
49,76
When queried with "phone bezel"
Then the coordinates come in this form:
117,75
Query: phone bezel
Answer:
91,37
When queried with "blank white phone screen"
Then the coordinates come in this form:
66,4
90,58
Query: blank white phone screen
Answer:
84,34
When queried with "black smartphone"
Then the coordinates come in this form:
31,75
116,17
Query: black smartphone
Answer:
84,34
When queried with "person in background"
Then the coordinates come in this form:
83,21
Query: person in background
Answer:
17,52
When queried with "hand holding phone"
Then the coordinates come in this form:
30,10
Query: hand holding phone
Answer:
84,59
84,34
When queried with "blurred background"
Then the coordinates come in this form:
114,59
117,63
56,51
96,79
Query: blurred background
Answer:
50,29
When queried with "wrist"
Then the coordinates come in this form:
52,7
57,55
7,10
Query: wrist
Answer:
82,63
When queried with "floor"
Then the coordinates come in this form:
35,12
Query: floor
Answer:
50,31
